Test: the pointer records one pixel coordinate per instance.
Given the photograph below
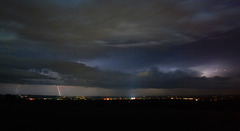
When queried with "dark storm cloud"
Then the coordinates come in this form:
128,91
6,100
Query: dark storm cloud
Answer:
81,29
44,42
68,73
116,23
184,79
220,49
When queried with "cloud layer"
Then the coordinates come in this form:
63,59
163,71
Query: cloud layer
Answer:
69,73
121,44
116,23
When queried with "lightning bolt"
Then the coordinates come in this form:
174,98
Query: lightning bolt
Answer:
216,69
59,92
18,88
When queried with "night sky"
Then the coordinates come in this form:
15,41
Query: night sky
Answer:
120,47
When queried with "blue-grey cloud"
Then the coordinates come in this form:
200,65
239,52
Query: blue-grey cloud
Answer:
76,74
118,23
48,42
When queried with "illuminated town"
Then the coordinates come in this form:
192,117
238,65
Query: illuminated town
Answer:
125,98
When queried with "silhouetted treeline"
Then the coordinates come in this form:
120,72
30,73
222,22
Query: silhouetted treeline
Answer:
8,98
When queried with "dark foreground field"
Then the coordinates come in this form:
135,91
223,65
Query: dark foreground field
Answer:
120,115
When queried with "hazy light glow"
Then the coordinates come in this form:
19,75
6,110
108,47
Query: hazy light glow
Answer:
211,70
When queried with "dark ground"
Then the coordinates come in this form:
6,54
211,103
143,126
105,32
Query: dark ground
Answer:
120,115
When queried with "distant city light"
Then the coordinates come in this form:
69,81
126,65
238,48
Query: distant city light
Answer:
133,98
136,98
